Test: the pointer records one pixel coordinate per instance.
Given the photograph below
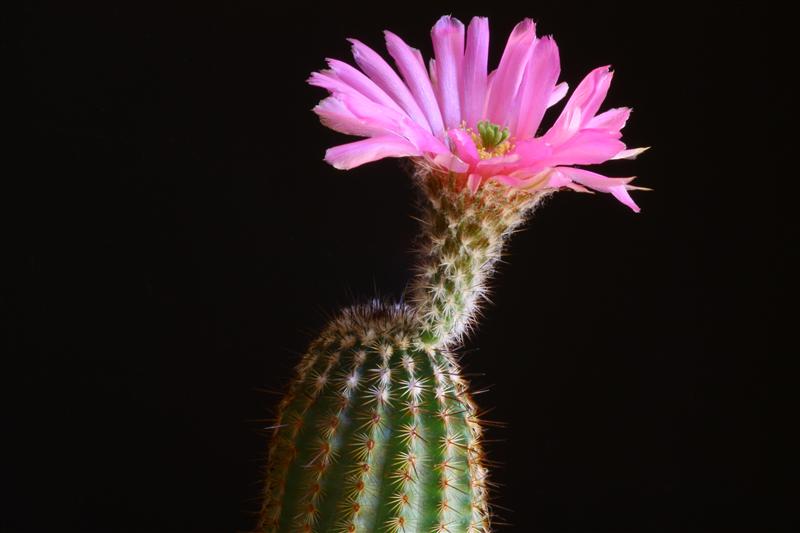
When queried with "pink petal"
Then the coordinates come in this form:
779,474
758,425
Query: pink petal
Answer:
448,47
602,81
633,153
357,103
387,79
498,165
335,114
464,146
476,59
329,80
596,86
409,62
450,161
558,94
474,182
612,120
533,155
523,181
587,147
542,74
591,179
510,71
351,155
367,115
388,118
489,84
581,106
557,180
361,83
421,138
620,192
618,187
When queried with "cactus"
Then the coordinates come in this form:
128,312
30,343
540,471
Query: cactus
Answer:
378,434
377,431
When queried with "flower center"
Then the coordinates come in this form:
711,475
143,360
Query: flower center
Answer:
491,140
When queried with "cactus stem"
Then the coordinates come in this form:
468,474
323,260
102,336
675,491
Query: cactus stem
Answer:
376,434
462,239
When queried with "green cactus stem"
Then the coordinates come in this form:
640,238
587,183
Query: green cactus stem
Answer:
462,240
377,432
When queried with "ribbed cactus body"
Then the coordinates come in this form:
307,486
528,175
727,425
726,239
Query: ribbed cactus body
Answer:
376,434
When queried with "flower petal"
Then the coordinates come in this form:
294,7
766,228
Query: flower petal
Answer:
335,114
541,76
620,192
351,155
451,162
411,65
596,86
498,165
633,153
474,182
358,104
616,186
366,115
581,106
587,147
532,156
556,180
387,79
476,59
327,79
338,87
464,146
612,120
558,94
522,181
361,83
509,73
448,47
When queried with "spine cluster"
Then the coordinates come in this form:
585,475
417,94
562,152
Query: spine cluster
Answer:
377,433
462,239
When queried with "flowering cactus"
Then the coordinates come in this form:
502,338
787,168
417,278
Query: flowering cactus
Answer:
377,431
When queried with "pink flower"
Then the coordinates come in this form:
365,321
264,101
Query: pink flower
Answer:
455,117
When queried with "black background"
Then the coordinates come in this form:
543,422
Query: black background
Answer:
177,240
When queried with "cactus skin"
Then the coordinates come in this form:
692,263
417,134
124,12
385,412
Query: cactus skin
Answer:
376,434
462,239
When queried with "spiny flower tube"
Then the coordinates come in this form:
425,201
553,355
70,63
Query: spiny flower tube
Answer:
377,431
457,118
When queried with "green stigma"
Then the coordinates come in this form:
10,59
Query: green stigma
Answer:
492,134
